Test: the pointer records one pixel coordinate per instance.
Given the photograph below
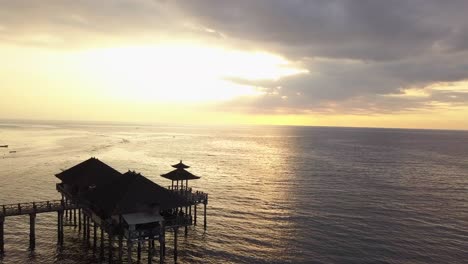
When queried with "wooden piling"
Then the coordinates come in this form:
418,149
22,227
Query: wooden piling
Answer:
101,248
129,251
95,236
32,231
84,227
204,213
163,239
79,219
139,251
150,252
2,239
161,246
111,246
74,217
175,244
88,230
120,246
195,214
60,227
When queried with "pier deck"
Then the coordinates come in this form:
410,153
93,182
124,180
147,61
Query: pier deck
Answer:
35,207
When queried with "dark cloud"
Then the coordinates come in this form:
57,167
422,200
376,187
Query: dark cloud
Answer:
360,29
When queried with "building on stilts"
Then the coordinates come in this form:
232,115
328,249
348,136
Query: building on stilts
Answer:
113,209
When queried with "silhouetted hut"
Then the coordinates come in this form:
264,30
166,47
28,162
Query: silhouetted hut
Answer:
180,174
130,195
137,209
87,175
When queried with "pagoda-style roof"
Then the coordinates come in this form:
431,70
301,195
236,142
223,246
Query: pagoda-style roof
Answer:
132,193
180,165
89,172
179,175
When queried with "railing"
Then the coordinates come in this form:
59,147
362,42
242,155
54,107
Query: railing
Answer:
35,207
179,188
192,197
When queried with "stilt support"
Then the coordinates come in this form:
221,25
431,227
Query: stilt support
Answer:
32,231
2,239
60,227
74,217
101,248
195,214
79,219
95,236
84,227
88,230
139,251
111,246
150,252
120,247
129,251
175,244
204,215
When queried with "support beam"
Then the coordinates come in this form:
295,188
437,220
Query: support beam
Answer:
32,231
79,219
101,248
120,247
162,245
204,215
85,232
139,251
60,227
88,230
2,239
129,251
175,244
95,236
164,239
195,214
150,252
111,246
74,217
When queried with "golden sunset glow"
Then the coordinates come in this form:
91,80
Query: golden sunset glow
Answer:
181,73
162,62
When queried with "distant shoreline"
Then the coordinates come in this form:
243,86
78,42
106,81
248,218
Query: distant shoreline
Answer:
83,123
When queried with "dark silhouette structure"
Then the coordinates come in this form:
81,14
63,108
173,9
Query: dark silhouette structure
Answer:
127,207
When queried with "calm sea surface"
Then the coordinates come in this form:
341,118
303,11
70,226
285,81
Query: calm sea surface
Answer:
277,194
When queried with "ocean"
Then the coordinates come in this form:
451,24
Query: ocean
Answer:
277,194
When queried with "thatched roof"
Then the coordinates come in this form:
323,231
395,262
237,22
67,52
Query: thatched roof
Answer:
179,174
89,172
180,165
132,193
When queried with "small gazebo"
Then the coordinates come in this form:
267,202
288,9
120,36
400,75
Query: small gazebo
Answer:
180,174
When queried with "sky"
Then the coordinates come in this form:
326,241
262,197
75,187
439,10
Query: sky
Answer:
361,63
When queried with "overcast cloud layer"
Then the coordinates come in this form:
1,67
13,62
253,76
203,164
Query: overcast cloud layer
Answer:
361,55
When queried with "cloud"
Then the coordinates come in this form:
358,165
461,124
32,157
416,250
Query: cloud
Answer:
358,52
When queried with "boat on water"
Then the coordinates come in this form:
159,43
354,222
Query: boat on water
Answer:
3,146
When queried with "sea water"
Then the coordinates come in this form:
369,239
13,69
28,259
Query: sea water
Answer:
276,194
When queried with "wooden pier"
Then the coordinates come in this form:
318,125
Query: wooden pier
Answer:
32,209
127,207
